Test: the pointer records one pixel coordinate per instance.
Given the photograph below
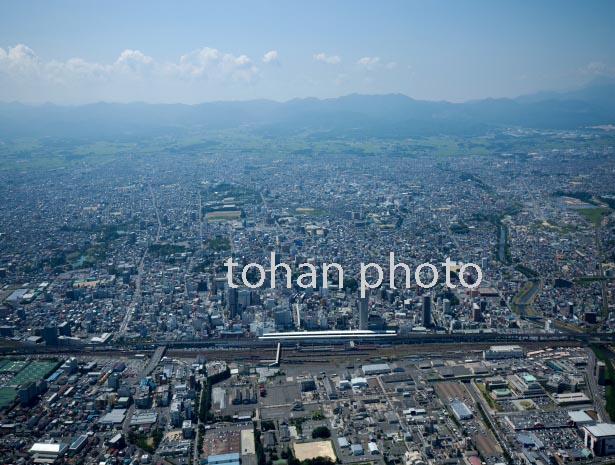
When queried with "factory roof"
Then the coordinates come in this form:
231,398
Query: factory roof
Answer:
601,429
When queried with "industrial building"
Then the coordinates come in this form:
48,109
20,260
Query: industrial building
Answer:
461,411
376,369
500,352
43,452
600,438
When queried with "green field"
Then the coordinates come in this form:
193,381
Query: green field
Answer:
7,396
593,215
24,372
33,372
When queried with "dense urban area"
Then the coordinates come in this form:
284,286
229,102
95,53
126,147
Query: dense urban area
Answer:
125,340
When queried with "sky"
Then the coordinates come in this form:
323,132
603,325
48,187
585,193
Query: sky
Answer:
74,52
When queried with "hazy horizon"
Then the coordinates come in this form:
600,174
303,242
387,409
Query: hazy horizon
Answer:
72,53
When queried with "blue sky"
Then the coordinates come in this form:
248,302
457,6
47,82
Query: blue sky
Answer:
75,52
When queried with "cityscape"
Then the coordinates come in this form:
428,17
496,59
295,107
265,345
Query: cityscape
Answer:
188,283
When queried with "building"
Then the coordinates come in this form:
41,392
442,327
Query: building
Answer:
600,438
526,385
224,459
477,314
601,372
77,445
356,449
580,418
446,306
330,388
359,382
50,335
43,452
363,308
376,369
571,398
187,429
427,311
495,382
500,352
461,411
233,302
64,329
27,393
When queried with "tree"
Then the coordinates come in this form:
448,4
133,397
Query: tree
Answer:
321,432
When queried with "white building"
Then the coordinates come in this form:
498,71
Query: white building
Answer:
500,352
600,438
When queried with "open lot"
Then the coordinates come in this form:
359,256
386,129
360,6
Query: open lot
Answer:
310,450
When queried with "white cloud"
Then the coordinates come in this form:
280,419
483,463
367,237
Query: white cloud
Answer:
598,68
210,63
271,57
134,61
76,69
328,59
369,62
19,61
391,65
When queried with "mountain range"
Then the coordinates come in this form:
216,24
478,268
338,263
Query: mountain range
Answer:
385,116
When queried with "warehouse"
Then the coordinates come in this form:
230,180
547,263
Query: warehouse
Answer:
600,438
461,411
500,352
330,388
376,369
359,382
373,448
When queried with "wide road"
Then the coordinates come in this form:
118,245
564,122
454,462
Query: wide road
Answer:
135,297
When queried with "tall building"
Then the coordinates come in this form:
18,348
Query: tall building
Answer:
233,302
601,372
65,329
363,312
427,310
477,314
50,335
446,306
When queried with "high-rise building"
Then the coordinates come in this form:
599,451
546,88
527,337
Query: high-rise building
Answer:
446,306
65,329
477,314
233,301
50,335
363,307
427,310
601,372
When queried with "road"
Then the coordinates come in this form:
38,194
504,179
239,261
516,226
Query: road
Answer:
135,297
483,407
392,408
137,294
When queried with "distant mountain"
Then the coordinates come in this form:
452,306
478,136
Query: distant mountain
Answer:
386,116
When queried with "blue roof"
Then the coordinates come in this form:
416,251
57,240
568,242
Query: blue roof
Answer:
223,458
55,375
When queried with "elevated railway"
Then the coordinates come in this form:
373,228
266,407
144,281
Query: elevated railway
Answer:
322,346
